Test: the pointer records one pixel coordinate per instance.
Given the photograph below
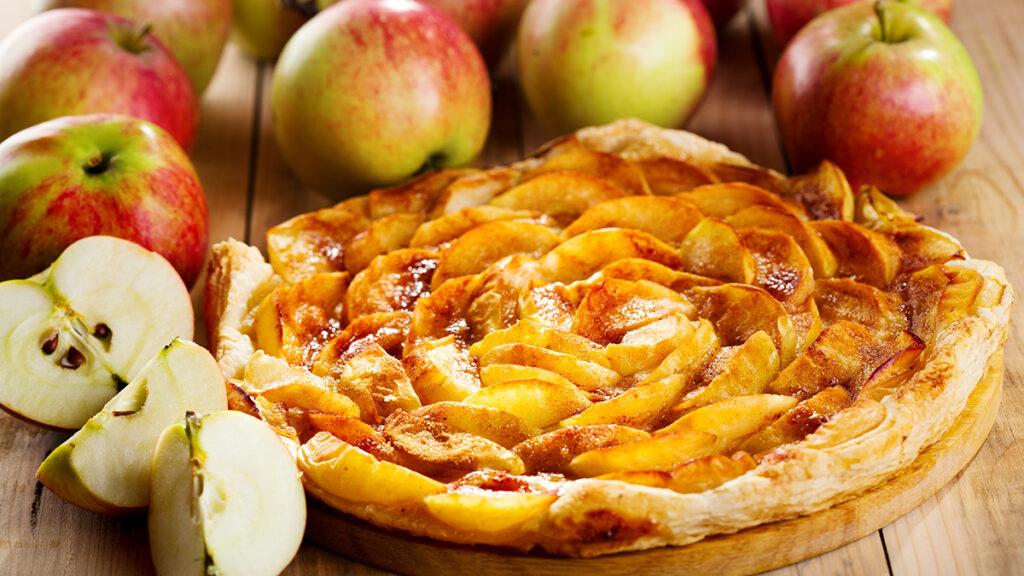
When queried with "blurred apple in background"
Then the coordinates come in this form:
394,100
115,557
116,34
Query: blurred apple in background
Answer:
71,61
589,62
722,11
195,31
490,23
787,17
89,175
369,93
263,27
884,90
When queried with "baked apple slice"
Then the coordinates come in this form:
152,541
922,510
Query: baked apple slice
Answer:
76,333
105,467
227,498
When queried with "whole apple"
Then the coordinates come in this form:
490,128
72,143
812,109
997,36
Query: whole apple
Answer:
787,17
490,23
72,61
369,93
884,90
111,175
587,62
195,31
263,27
722,11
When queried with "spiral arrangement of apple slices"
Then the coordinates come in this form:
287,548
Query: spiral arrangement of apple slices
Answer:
459,356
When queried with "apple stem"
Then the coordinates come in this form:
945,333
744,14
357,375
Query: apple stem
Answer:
882,22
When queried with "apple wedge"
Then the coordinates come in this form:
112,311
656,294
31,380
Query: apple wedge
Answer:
75,334
227,498
105,467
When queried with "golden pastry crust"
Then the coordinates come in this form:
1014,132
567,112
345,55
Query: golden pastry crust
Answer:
867,441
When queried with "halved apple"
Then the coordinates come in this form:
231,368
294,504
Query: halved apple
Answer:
227,498
75,334
105,467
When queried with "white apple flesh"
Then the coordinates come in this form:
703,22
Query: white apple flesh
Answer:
106,466
75,334
226,499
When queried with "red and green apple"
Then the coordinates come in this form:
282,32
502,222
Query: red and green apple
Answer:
263,27
82,176
787,17
884,90
588,62
195,31
369,93
71,61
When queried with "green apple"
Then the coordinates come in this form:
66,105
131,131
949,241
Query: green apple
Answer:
106,466
75,334
589,62
369,93
195,31
263,27
226,499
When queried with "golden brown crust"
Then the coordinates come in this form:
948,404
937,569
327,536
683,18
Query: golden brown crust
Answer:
856,449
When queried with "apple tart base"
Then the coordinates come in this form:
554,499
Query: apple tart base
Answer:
749,551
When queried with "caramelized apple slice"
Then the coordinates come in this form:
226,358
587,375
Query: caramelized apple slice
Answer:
782,268
314,243
529,331
562,194
863,255
474,190
735,418
352,431
845,299
348,473
941,295
571,155
645,347
433,448
893,373
920,245
441,369
416,195
490,423
758,176
666,218
537,402
696,475
612,308
387,330
385,235
657,453
393,281
440,231
691,356
721,200
580,256
824,193
585,374
488,512
377,382
668,176
738,311
748,370
497,373
767,217
714,249
553,451
799,421
444,311
294,322
484,245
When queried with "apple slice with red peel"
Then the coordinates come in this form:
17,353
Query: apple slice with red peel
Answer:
75,334
226,498
105,467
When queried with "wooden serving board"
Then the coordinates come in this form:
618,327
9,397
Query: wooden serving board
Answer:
747,552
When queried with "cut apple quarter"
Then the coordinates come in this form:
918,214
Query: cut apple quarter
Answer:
106,466
227,498
76,333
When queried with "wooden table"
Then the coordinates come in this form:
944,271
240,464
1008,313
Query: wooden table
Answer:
974,525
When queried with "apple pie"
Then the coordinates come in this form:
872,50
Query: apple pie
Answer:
634,338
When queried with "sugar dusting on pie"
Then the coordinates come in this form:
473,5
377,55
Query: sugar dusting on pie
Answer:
635,338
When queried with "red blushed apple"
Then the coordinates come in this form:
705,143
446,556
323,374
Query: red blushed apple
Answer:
94,175
71,61
787,17
884,90
195,31
368,93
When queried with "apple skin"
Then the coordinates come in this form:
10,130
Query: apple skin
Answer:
149,193
195,31
369,93
722,11
897,114
787,17
263,27
490,23
71,61
589,62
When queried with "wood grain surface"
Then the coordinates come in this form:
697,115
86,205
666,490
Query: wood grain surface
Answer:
974,525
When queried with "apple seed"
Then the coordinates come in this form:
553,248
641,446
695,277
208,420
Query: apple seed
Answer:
50,344
73,359
102,331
